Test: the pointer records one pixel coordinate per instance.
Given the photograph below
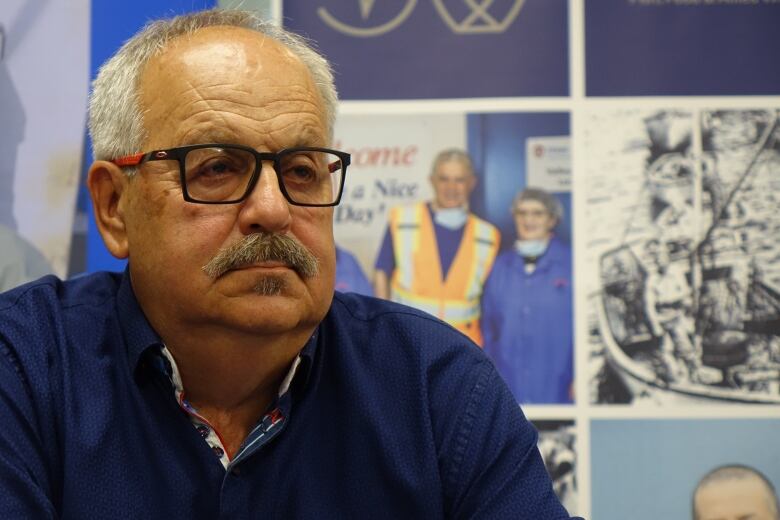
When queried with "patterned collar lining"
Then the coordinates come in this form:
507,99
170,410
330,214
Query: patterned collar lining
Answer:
203,427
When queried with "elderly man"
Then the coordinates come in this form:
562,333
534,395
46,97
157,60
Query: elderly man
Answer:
735,492
435,256
527,305
219,376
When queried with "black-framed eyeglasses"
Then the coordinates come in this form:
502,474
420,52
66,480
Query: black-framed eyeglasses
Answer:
227,173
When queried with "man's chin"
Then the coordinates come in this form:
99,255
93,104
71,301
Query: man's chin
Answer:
270,286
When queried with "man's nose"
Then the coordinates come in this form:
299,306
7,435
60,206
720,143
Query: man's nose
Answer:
265,209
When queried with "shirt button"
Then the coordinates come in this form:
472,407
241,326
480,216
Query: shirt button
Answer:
218,451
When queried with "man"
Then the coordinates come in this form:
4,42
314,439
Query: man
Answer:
220,377
435,256
735,492
527,305
668,302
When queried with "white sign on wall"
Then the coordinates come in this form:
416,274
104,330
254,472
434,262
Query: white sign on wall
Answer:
548,161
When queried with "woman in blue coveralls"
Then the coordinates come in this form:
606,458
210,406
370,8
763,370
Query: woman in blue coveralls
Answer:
527,305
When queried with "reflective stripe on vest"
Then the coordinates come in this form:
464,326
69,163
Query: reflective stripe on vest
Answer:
454,312
485,241
406,239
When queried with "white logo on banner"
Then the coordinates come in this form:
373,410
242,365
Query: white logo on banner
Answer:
479,20
548,163
365,11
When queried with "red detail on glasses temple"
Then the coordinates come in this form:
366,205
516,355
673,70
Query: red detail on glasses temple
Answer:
129,160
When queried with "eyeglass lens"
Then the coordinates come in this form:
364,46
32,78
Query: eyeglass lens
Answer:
223,174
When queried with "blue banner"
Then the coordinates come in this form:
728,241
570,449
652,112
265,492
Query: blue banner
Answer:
681,47
439,48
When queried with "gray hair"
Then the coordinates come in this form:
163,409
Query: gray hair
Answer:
452,154
550,202
115,118
737,472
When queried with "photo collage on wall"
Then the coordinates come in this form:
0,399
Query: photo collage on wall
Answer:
618,254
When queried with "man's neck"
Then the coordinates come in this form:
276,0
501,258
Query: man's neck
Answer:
232,381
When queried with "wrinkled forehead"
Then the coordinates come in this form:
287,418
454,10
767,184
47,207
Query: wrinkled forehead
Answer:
227,70
226,47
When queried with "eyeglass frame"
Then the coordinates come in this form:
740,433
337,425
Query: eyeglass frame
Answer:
179,154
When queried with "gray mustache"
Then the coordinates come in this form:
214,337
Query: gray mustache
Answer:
263,247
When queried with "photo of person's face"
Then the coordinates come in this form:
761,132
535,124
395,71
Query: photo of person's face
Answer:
533,221
741,499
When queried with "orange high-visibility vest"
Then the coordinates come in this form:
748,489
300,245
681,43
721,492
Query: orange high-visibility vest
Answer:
417,280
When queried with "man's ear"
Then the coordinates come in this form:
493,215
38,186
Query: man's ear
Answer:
107,185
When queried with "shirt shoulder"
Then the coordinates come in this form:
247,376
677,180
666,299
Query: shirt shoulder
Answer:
54,293
410,331
39,319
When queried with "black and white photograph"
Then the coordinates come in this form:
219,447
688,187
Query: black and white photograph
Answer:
557,444
683,255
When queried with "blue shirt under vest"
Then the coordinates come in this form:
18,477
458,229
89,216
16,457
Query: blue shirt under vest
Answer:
391,414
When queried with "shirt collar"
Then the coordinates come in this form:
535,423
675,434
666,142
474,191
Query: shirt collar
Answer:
172,370
138,334
306,356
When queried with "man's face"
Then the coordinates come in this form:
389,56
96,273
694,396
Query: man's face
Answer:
533,221
225,85
745,499
452,184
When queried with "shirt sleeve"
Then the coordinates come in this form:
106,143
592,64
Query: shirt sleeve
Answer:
494,469
385,260
24,479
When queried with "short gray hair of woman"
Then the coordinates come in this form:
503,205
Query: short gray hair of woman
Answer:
115,117
550,202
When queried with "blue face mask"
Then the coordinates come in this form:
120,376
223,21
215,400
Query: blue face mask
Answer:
451,218
531,248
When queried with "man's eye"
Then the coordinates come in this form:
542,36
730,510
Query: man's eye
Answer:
300,174
216,169
301,169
